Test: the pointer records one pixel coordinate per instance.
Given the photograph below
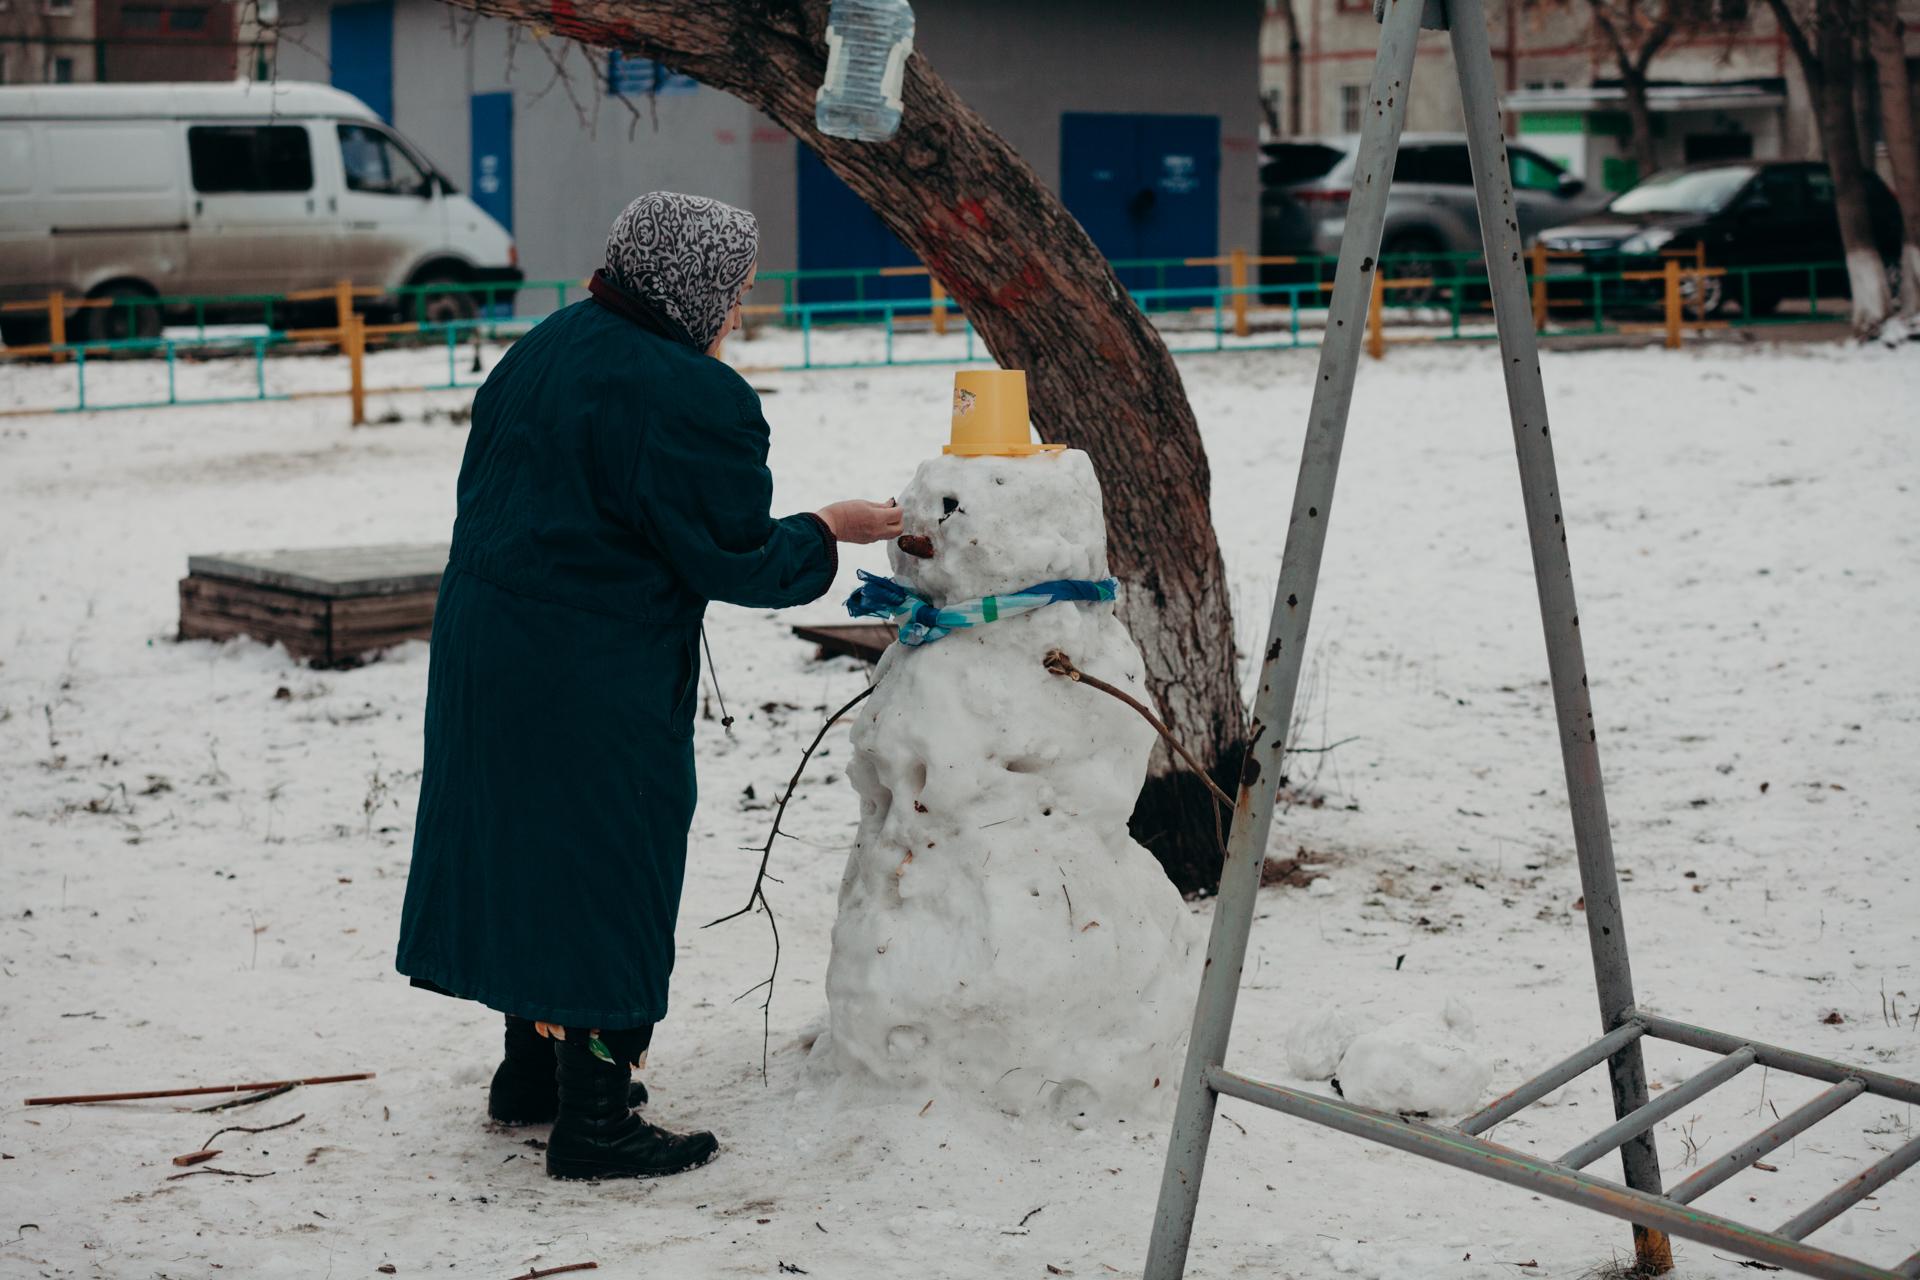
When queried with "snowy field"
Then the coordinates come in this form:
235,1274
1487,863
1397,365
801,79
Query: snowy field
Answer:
203,847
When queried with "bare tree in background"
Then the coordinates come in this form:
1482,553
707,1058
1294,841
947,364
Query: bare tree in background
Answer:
1296,51
1886,38
1043,299
1634,31
1822,39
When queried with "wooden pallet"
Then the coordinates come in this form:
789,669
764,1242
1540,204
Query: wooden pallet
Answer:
330,605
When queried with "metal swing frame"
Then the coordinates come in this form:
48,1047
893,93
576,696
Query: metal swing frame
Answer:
1654,1212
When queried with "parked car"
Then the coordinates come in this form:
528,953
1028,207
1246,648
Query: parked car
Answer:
141,191
1305,185
1746,214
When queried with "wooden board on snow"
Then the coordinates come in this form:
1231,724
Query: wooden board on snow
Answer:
330,605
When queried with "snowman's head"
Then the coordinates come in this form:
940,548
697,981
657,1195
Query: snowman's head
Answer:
995,525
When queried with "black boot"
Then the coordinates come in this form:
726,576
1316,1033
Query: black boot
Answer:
524,1090
597,1136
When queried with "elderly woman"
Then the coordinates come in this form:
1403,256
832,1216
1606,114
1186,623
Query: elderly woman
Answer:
615,481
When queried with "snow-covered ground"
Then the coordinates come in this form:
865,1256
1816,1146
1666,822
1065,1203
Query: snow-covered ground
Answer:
203,846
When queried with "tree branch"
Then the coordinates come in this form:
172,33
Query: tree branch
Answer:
758,897
1797,40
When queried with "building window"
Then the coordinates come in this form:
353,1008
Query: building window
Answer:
142,18
63,70
1350,98
186,19
58,8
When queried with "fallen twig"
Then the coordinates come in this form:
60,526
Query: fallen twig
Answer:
759,896
198,1089
225,1173
554,1271
265,1128
195,1157
247,1101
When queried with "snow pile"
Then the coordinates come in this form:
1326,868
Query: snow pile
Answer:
999,933
1315,1046
1426,1062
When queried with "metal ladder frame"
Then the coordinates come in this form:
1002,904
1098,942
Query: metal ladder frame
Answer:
1653,1212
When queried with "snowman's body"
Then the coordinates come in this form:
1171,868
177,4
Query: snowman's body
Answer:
1000,935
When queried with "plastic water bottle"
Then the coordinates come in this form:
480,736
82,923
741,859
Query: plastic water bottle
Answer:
867,46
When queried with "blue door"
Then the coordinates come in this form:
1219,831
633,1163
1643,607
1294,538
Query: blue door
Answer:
361,44
491,144
1146,186
839,232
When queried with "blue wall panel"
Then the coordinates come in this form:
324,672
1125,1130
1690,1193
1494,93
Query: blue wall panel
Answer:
361,51
1145,186
491,135
837,230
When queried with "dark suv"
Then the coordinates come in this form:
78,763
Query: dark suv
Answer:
1746,214
1305,184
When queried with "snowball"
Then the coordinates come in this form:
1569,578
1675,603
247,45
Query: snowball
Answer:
1426,1062
1316,1045
1000,936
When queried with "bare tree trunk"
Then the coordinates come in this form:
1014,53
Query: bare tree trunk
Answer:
1886,37
1043,299
1861,79
1622,32
1296,69
1826,62
1645,158
1833,108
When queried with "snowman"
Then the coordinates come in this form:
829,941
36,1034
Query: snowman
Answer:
1000,936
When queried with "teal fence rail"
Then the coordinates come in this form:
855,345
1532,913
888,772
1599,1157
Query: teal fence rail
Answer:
1445,303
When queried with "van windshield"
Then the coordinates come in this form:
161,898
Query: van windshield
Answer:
1685,191
376,164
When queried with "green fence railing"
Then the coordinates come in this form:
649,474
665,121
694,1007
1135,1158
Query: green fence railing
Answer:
1447,304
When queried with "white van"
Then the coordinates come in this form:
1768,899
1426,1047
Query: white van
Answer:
164,190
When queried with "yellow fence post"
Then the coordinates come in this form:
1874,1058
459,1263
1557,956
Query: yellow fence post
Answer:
1376,318
343,307
1237,269
939,295
1538,265
354,339
57,322
1673,303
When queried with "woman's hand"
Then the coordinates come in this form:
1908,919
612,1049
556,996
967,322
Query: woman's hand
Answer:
859,521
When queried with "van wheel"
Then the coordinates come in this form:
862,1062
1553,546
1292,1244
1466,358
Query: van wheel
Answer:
441,305
120,321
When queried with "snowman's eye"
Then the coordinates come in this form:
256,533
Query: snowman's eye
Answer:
949,504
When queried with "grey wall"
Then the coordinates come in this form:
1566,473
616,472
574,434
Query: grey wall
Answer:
580,155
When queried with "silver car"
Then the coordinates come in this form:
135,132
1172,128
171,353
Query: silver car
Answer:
1305,184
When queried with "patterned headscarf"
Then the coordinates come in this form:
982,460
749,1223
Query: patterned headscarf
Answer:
686,255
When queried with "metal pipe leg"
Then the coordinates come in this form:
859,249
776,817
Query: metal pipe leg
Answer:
1280,672
1553,576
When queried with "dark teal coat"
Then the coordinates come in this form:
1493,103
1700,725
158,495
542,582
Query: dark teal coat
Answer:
614,482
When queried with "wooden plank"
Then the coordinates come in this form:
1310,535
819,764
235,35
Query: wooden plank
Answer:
863,640
313,627
214,610
332,572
